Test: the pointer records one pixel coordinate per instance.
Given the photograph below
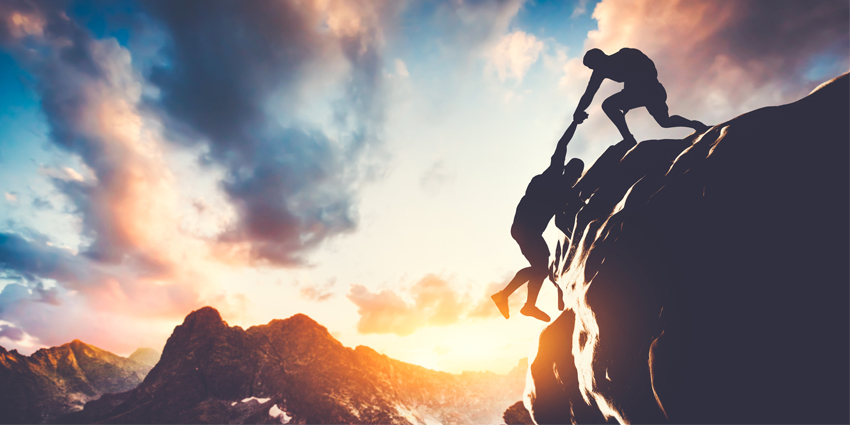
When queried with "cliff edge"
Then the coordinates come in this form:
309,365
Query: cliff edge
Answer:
708,281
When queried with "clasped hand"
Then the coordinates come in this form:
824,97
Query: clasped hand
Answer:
579,116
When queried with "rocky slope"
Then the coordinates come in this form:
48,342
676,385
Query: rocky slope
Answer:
709,281
58,380
517,414
293,371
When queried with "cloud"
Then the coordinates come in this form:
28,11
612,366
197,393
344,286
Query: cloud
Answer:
313,293
73,174
472,26
319,293
11,332
442,350
384,312
11,197
435,303
480,36
134,265
401,68
46,295
62,173
293,185
199,205
436,176
116,307
90,95
580,9
42,203
16,338
236,94
32,260
514,54
106,288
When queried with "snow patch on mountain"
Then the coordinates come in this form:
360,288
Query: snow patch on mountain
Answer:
278,413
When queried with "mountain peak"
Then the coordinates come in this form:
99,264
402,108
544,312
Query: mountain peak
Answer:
299,323
521,367
205,317
303,320
81,349
77,344
145,355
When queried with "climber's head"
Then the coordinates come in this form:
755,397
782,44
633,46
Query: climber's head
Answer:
573,170
593,58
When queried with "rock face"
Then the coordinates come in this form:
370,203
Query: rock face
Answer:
293,371
517,414
709,279
58,380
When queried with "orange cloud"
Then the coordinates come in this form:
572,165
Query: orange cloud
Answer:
435,303
384,312
25,23
436,297
350,18
318,292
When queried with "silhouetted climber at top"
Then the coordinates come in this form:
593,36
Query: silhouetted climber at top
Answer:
641,88
547,194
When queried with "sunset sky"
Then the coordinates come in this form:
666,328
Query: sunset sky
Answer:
358,161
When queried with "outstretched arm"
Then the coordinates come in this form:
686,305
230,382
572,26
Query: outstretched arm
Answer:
560,154
592,87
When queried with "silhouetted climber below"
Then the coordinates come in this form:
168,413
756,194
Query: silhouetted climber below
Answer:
547,194
641,88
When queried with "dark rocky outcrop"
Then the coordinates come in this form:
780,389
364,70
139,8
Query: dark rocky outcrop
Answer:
292,370
54,381
709,283
94,410
517,414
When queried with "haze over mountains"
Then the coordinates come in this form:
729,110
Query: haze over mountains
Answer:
289,370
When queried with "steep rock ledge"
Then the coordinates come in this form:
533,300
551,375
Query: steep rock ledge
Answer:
709,281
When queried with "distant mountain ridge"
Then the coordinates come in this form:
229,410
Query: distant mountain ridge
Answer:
294,371
145,355
58,380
